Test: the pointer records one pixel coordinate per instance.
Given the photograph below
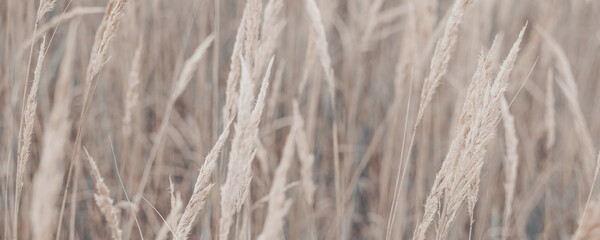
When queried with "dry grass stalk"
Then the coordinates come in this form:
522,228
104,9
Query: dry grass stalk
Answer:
189,67
103,200
246,41
438,68
272,27
458,178
201,188
549,116
29,118
102,40
511,163
45,6
132,94
278,205
321,44
306,158
441,56
309,61
104,36
47,181
252,32
569,89
174,215
239,172
593,182
53,22
321,47
589,226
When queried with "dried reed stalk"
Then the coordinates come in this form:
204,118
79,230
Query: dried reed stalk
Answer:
321,47
201,188
458,178
272,27
47,181
549,116
25,138
306,158
239,173
132,93
174,215
569,88
103,200
438,68
278,204
189,67
511,163
441,56
102,40
246,41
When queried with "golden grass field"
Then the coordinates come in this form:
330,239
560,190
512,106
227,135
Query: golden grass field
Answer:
299,119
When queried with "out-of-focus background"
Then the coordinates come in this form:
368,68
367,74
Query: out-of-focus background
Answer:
367,185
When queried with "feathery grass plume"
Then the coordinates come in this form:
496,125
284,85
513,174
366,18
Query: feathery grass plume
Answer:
102,40
132,94
45,6
278,205
458,177
189,67
29,117
246,41
252,32
438,68
549,118
47,181
176,208
201,188
442,55
321,44
589,226
511,163
272,26
239,172
103,200
306,158
569,88
104,36
321,47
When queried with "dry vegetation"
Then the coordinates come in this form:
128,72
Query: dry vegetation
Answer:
299,119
